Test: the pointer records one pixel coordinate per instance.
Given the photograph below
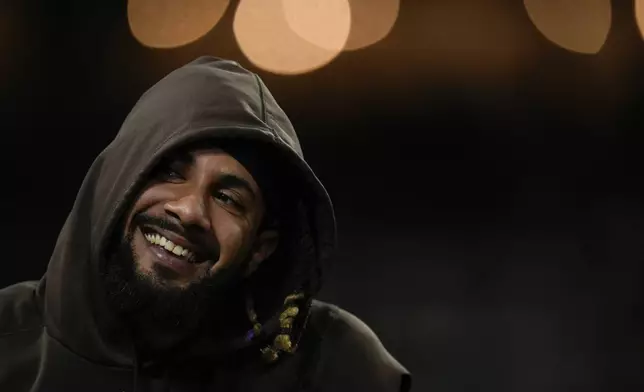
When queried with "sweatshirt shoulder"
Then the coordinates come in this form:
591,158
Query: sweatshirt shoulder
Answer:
19,309
352,357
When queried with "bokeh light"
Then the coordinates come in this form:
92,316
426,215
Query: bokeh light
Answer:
469,41
266,39
577,25
371,21
173,23
639,15
324,23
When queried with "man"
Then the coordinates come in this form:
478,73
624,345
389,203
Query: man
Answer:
190,260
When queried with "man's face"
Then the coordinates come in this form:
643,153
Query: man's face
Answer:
197,218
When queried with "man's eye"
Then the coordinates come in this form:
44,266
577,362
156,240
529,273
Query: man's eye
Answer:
167,173
170,173
226,199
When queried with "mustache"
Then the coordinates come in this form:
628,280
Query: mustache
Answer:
143,219
207,247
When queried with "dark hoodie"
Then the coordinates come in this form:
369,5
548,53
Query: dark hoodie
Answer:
58,334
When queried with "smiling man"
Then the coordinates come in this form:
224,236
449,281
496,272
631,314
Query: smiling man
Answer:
191,259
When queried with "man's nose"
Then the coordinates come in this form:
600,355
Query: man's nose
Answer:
190,210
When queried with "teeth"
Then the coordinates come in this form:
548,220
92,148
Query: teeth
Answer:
177,250
165,243
169,246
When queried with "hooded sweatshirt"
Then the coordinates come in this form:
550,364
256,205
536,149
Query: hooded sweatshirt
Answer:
58,334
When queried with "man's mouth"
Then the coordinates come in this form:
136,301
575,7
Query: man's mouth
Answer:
166,244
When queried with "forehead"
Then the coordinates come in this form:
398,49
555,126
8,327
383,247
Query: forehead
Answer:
213,163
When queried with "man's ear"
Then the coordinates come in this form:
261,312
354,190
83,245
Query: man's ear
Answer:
265,245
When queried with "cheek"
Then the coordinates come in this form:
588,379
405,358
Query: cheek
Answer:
151,198
152,195
234,236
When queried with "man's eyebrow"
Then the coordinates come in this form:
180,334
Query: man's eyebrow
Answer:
230,180
176,158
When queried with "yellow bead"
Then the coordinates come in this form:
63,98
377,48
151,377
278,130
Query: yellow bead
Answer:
286,323
290,312
283,342
293,297
269,354
257,328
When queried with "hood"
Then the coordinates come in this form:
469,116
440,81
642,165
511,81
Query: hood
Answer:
205,100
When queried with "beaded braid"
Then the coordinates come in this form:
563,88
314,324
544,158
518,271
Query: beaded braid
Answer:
291,326
295,309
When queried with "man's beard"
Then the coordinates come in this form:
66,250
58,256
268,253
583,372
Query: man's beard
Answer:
213,302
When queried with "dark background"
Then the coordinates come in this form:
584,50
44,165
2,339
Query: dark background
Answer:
487,182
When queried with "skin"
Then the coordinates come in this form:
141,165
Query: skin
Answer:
213,204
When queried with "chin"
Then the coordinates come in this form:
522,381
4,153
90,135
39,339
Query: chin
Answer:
162,278
137,287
